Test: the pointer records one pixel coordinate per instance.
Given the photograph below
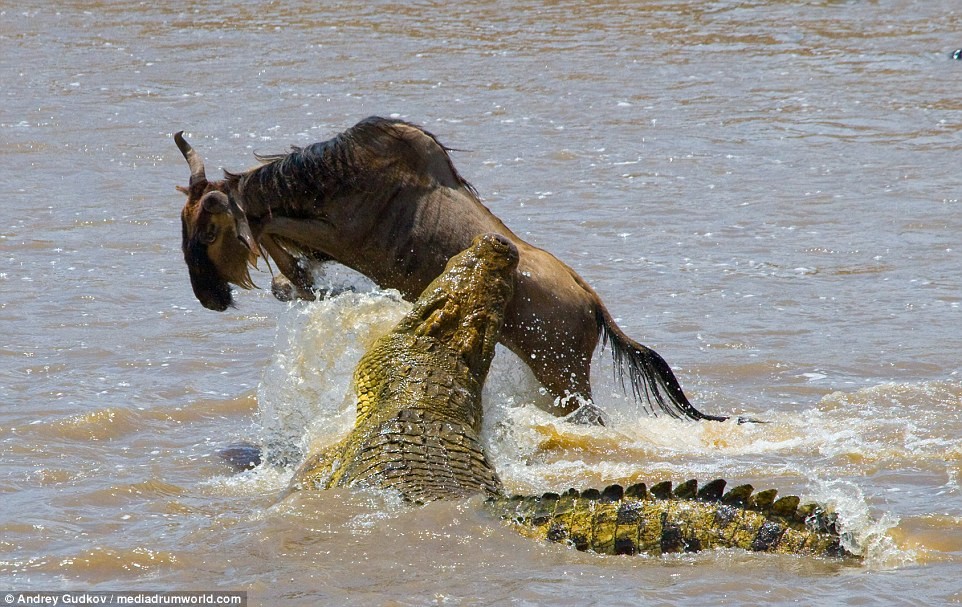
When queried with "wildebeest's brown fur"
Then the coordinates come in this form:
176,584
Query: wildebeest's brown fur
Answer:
385,199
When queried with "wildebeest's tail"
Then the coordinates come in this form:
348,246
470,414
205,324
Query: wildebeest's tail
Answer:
651,379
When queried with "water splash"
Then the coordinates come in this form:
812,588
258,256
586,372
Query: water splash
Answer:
823,453
862,533
305,396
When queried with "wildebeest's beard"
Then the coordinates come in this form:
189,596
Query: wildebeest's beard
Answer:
216,257
210,289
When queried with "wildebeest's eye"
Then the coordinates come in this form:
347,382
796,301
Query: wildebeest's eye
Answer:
209,235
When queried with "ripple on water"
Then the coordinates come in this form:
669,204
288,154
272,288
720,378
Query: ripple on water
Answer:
102,564
814,453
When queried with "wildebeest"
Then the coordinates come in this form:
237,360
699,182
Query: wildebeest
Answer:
385,199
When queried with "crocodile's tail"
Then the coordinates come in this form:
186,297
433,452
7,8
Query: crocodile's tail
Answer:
661,520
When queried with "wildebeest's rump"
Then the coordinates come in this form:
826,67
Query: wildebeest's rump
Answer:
385,199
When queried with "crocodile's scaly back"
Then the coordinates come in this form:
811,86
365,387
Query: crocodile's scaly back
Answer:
660,520
419,388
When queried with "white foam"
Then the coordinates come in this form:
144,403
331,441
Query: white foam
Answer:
862,533
305,396
306,401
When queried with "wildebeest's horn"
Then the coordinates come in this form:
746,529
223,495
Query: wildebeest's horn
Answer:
194,161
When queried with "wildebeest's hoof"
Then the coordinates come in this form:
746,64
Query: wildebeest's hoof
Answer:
241,456
285,290
587,415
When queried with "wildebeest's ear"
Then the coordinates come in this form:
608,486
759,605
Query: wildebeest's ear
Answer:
182,190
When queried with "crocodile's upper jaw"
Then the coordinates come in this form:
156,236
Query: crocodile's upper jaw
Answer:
464,307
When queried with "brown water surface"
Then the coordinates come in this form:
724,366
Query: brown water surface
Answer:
767,192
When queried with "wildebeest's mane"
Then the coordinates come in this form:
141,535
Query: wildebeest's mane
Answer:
297,181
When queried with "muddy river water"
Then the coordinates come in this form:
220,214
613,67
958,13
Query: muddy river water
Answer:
764,191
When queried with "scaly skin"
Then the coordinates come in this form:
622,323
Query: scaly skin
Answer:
419,388
419,419
635,520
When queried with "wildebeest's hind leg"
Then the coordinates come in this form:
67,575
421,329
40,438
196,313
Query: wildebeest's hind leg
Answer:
573,397
563,367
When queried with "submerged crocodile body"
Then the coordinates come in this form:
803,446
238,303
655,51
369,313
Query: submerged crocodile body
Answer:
418,432
419,388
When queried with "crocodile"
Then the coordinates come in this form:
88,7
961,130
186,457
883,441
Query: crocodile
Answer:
418,429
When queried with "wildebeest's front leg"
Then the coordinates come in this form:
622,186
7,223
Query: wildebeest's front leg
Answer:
295,280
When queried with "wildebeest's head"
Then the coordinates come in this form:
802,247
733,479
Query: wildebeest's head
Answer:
217,241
